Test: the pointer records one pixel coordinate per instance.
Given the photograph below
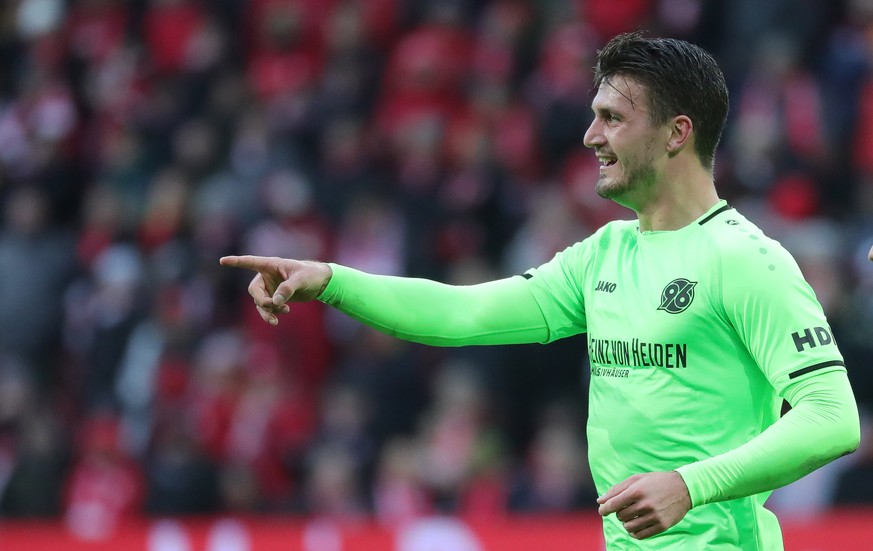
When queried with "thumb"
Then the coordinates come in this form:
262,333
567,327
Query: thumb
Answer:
286,290
280,297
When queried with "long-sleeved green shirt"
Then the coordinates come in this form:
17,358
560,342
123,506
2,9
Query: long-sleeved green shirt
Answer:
694,338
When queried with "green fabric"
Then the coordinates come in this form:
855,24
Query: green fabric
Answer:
692,347
424,311
822,419
694,338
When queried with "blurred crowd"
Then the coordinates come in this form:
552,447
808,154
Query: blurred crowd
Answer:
141,140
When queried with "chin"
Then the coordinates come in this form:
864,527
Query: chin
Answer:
611,190
619,194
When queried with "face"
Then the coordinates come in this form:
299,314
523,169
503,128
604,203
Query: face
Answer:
624,140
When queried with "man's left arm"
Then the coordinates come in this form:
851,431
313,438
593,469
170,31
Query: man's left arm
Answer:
821,426
778,319
781,323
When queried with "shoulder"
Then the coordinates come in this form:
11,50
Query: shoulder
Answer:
601,239
743,248
574,262
619,227
611,233
755,273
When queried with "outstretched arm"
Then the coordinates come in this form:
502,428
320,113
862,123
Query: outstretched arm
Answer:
497,312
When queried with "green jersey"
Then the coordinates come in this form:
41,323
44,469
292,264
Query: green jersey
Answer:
693,335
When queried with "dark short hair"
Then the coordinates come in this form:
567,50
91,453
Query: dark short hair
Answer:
680,78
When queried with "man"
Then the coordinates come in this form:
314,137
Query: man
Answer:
698,324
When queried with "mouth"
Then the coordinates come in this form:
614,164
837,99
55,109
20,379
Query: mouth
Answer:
606,161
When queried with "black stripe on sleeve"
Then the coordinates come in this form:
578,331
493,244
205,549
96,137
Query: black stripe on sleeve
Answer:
815,367
714,214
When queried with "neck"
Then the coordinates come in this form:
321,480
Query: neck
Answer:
677,200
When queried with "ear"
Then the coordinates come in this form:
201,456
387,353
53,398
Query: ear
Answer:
680,134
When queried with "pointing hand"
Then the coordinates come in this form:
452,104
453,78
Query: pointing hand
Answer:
281,280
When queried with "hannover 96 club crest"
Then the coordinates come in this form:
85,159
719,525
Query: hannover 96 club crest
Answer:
677,295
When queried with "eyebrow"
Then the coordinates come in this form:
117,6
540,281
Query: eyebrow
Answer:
603,111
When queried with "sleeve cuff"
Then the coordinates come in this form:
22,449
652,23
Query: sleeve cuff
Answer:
330,294
689,476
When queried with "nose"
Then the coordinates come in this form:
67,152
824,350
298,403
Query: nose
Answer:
593,136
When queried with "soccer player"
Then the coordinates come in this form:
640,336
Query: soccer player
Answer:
698,324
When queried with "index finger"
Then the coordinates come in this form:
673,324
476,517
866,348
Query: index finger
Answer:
616,503
248,262
617,498
617,489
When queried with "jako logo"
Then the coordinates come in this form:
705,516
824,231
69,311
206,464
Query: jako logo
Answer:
605,286
677,295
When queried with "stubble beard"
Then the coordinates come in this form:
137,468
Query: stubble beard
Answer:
635,176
